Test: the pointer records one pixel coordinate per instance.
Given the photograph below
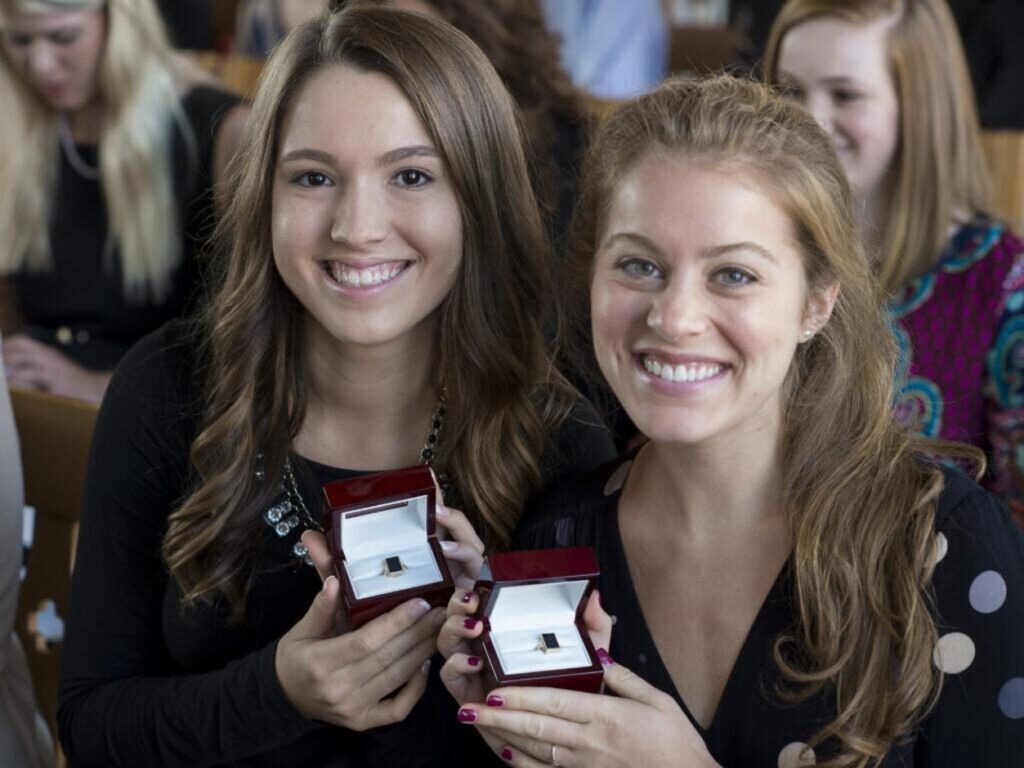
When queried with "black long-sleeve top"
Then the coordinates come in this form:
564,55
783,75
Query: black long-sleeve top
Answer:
978,588
142,685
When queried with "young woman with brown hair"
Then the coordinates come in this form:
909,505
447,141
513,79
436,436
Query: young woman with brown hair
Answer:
795,581
381,303
888,81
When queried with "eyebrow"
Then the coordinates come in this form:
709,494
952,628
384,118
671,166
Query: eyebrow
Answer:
787,78
388,158
707,253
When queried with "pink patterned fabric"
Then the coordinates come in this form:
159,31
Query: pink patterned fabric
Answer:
961,331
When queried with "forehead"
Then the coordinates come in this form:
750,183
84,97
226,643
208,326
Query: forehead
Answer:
830,47
344,110
45,23
684,205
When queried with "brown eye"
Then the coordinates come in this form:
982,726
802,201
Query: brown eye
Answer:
412,177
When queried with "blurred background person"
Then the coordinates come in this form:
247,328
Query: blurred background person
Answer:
612,49
109,197
262,23
888,81
24,738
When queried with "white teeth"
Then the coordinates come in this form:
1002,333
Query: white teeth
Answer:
356,277
683,372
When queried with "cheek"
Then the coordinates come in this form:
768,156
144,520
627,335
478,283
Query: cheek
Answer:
616,313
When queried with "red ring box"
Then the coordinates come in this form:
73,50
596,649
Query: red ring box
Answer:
373,518
529,595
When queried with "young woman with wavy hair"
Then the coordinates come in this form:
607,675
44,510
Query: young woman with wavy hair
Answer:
888,81
795,581
381,303
109,192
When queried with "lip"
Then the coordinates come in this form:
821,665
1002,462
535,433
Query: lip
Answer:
51,90
362,292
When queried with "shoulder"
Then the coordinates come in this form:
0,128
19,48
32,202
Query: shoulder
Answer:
156,376
575,500
580,444
206,106
982,240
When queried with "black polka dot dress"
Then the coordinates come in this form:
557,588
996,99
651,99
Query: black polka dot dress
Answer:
978,721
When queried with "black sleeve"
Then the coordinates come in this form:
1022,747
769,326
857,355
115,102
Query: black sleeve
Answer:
121,701
979,593
582,444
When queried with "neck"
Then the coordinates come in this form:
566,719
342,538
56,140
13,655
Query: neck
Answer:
384,394
711,492
86,122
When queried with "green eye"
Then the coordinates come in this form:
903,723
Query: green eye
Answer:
639,268
734,277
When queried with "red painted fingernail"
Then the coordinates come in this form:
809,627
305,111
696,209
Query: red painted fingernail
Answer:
466,597
473,661
604,658
495,701
506,754
467,716
470,623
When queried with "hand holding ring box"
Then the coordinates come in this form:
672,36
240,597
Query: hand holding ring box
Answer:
382,533
531,605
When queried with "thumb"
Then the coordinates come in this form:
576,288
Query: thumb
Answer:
597,622
629,685
319,621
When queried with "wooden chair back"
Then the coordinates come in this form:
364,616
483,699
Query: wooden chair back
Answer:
54,433
239,73
1004,151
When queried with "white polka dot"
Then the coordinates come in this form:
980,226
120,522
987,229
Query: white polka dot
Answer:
988,592
617,479
954,653
796,755
941,547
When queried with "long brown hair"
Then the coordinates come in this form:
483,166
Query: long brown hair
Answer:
860,497
504,398
940,171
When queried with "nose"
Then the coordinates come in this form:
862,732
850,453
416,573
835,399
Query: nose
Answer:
361,218
679,310
821,110
41,60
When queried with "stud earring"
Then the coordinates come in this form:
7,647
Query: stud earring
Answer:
806,334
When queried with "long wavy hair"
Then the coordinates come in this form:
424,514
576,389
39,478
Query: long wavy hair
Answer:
139,83
940,171
860,495
505,400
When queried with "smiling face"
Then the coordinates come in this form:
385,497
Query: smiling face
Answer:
840,71
366,227
698,302
57,54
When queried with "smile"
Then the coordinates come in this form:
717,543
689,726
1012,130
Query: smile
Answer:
353,277
684,372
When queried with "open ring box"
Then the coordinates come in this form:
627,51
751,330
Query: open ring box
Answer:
382,532
531,604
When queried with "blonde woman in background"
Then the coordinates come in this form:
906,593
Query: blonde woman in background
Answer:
795,581
108,197
888,81
24,738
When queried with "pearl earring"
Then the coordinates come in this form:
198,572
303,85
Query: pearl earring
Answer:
807,333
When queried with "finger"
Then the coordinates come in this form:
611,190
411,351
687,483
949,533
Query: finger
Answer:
20,343
319,553
597,622
383,658
375,634
520,759
318,623
398,708
456,633
576,706
398,672
629,685
460,665
458,527
531,725
463,602
469,559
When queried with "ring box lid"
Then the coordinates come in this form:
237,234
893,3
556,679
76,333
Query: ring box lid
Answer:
576,567
383,512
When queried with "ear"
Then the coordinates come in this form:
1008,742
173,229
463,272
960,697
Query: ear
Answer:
819,309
